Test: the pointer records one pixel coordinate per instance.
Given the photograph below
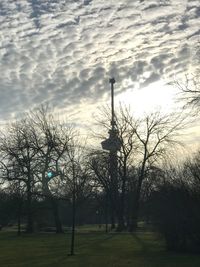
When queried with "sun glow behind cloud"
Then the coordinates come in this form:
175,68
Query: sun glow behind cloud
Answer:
155,97
164,98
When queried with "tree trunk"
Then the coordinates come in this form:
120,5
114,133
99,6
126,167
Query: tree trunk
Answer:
136,204
121,203
117,201
121,225
106,213
112,217
112,213
54,204
133,224
58,223
19,216
29,227
120,216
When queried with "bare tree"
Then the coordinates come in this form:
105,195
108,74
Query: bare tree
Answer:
156,137
144,142
191,172
76,181
190,85
52,141
18,162
190,91
99,163
32,147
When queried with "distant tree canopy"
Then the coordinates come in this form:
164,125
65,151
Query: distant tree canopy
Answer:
145,188
174,206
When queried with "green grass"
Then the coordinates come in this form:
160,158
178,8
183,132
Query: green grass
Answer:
93,249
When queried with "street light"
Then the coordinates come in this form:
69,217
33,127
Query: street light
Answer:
51,174
73,209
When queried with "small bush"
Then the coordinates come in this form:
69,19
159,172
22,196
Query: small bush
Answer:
175,208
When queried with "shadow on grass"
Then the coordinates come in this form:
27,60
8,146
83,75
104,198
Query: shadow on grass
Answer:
140,242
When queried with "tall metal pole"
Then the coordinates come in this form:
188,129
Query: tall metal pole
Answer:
112,82
113,151
113,144
73,210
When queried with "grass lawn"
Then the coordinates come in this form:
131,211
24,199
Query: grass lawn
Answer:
93,249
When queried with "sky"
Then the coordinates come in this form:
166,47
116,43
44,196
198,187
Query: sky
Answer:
64,52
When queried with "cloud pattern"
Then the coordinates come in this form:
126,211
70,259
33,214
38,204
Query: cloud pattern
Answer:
63,51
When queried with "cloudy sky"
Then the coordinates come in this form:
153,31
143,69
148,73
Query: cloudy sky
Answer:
63,51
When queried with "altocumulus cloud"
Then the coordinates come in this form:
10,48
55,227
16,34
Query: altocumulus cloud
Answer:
63,51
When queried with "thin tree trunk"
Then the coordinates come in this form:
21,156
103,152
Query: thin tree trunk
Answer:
112,217
136,204
106,212
29,227
19,217
121,204
58,223
133,224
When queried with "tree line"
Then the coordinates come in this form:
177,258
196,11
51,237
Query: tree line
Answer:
150,184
